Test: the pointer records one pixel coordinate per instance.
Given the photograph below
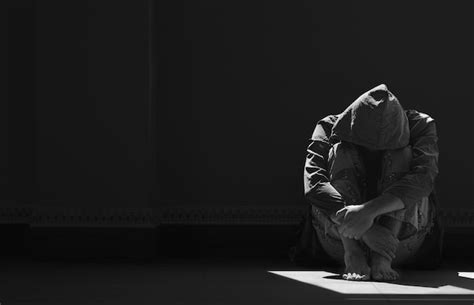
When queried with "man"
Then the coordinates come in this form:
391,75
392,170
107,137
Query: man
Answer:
369,176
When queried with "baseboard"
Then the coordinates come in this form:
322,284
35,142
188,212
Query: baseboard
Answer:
92,242
178,233
186,241
51,216
65,232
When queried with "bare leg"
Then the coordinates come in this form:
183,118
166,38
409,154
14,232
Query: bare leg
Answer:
381,266
355,260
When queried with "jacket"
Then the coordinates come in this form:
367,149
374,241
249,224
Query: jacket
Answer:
375,120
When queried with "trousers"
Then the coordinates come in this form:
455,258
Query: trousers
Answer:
348,176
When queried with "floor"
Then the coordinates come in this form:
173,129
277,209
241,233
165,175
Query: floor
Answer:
219,281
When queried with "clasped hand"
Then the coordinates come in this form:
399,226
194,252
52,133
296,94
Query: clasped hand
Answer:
354,221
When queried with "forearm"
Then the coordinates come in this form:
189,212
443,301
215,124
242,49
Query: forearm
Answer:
419,181
317,186
324,197
412,187
383,204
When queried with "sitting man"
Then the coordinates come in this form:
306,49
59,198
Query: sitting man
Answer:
369,176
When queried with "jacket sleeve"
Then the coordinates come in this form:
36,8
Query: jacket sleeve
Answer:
419,181
317,187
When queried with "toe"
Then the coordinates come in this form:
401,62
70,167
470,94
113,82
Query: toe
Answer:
348,276
377,276
392,275
396,276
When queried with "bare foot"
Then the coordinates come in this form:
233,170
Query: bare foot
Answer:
382,268
357,268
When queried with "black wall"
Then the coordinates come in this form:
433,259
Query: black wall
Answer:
241,85
78,103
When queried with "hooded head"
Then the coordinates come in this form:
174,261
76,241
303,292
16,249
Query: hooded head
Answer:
375,120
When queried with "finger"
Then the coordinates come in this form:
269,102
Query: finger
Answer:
348,232
342,229
386,255
339,229
391,243
340,212
340,233
382,250
394,241
394,248
389,252
335,219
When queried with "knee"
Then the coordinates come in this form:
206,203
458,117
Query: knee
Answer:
391,223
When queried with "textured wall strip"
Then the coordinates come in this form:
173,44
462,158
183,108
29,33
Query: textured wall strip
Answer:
59,216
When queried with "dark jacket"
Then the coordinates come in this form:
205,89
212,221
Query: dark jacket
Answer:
375,120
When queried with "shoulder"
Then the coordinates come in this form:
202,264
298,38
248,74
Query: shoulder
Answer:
420,122
323,128
415,116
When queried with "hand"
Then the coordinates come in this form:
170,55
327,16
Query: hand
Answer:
381,240
357,220
337,219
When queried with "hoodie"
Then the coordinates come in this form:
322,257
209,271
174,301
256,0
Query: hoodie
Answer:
376,121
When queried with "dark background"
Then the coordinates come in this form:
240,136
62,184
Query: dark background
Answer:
222,114
169,129
241,85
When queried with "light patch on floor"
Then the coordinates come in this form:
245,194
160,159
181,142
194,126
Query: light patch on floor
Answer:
468,275
419,283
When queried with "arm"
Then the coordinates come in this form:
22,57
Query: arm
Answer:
408,190
357,219
419,181
317,187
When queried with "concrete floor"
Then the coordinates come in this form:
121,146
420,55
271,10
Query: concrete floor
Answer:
219,281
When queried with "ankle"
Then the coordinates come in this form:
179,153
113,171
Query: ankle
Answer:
377,258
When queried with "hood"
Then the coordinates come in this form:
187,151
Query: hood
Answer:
375,120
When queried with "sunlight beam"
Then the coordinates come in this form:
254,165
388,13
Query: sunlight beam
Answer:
423,284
